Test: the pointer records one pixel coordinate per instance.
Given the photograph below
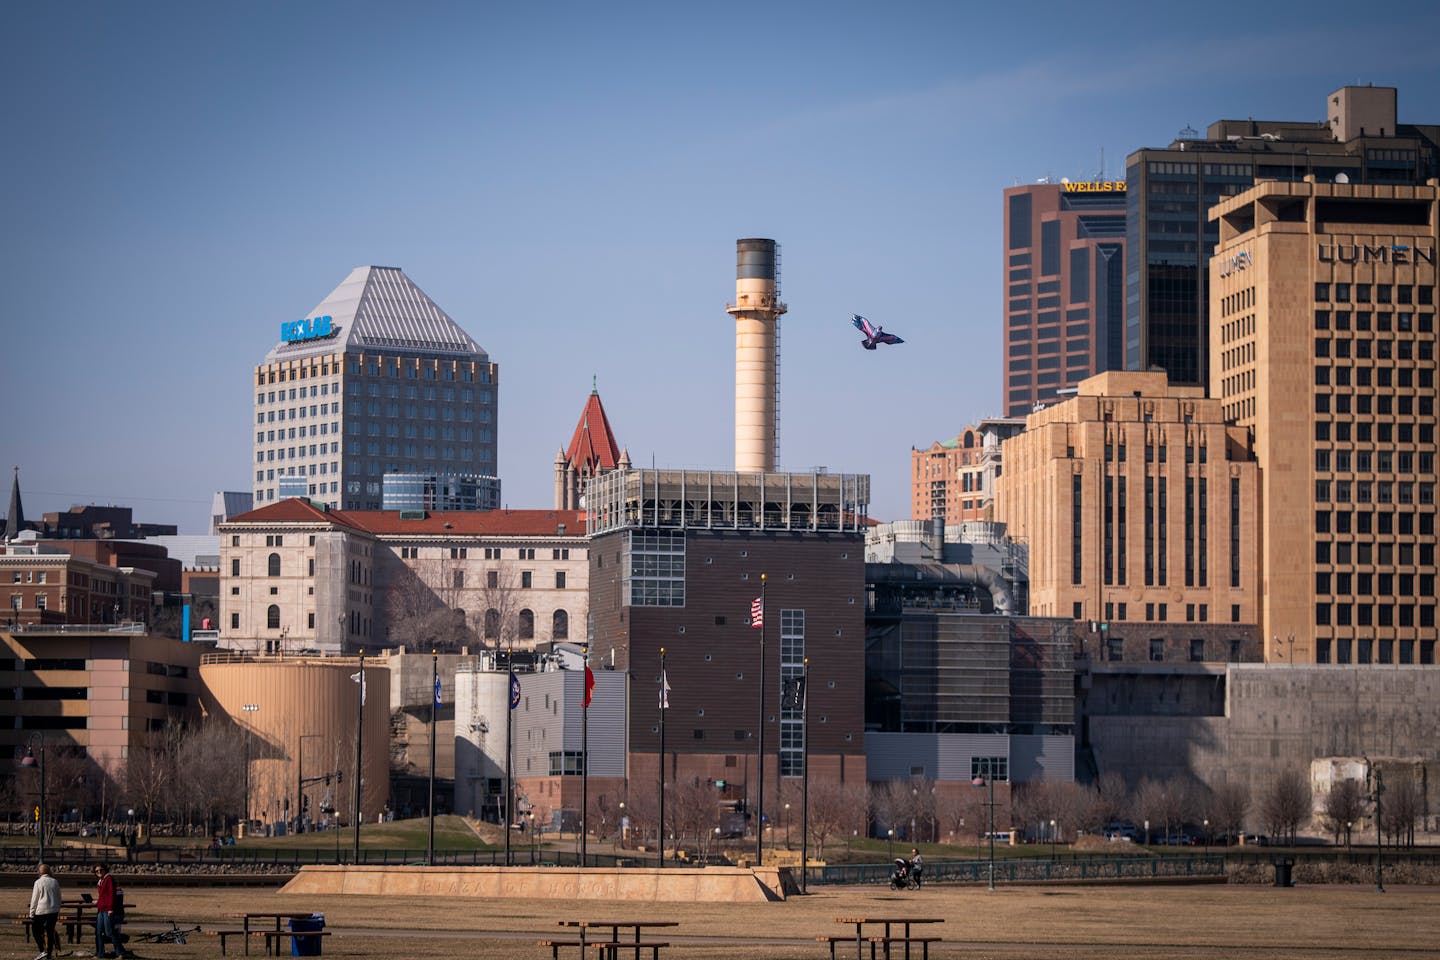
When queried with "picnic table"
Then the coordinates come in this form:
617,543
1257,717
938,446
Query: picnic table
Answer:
608,948
272,934
72,918
885,940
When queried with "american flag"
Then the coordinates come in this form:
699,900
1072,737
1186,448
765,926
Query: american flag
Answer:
757,613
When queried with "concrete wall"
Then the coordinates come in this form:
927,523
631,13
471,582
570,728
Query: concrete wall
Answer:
1279,717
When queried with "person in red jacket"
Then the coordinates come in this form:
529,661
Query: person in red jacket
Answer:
107,923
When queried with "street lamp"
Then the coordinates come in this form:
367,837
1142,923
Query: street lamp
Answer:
1206,825
787,826
248,708
531,816
982,781
1147,833
1052,839
32,759
623,825
891,834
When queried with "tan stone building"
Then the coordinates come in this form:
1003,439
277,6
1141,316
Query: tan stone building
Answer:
299,577
954,480
1323,339
1139,504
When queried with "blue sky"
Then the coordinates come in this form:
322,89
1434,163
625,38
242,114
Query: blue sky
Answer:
568,180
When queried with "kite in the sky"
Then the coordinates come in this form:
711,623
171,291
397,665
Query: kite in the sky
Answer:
873,335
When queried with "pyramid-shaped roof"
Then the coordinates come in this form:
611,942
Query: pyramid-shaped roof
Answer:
593,446
380,308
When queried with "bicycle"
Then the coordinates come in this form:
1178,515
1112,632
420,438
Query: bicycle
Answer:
174,935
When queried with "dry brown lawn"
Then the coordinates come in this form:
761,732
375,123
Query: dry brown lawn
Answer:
1248,922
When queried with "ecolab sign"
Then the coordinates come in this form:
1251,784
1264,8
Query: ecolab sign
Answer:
306,329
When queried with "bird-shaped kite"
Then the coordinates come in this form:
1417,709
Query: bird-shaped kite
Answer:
873,335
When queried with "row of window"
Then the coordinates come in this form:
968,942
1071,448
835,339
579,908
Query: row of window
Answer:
1364,553
1364,584
1115,650
447,370
1329,614
1373,651
302,372
1373,293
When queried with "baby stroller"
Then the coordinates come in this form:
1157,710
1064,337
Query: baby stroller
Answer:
903,877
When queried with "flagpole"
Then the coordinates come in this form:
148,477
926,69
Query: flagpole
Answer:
434,709
584,753
359,755
804,771
663,705
509,779
760,747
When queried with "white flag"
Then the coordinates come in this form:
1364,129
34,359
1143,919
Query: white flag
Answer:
664,691
360,679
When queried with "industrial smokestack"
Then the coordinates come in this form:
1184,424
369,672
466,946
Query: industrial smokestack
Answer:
757,310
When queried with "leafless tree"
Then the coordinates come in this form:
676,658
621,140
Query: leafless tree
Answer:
1344,804
891,802
151,771
961,813
499,613
210,781
1285,804
1229,805
1400,806
1164,803
420,605
603,815
642,809
834,808
1112,797
690,809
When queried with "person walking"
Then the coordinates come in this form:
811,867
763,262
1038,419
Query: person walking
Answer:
917,866
44,912
107,923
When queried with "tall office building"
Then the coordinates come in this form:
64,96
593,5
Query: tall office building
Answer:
1324,341
378,379
1170,237
1065,288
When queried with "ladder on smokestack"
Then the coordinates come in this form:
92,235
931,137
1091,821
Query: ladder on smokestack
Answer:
776,451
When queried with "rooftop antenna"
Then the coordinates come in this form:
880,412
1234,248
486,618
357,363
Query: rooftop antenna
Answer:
1101,175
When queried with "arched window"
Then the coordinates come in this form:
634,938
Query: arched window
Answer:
274,564
527,624
560,626
492,624
272,617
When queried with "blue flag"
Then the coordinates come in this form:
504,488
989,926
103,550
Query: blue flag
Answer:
514,691
437,692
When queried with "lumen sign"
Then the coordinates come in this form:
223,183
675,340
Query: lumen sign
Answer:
1364,253
306,329
1234,263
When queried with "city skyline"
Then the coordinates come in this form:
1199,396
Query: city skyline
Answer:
570,190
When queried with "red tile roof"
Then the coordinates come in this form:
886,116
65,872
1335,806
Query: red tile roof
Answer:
459,523
593,448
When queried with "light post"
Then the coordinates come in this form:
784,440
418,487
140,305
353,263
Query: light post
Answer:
531,816
32,759
890,833
623,825
1052,840
248,708
982,781
1147,833
787,826
1206,825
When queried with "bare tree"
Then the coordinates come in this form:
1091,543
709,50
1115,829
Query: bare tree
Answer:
603,815
891,803
499,613
834,807
1164,803
1229,805
691,809
962,813
151,770
210,781
1344,804
1112,797
1401,806
1285,804
419,605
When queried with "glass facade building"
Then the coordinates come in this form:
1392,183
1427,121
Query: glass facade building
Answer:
443,491
1169,193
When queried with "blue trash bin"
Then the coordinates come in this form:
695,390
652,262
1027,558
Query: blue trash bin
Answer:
306,946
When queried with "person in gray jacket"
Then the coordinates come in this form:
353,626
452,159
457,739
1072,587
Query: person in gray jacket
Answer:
44,912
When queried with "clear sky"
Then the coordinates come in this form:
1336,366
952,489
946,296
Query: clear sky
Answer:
567,180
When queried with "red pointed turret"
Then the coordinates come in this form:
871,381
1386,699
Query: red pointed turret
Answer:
592,451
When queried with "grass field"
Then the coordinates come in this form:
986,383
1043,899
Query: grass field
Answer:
1131,921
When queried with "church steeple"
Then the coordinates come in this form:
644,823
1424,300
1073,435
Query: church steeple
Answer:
592,451
15,520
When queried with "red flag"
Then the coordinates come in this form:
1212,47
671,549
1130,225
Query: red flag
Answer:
757,613
589,686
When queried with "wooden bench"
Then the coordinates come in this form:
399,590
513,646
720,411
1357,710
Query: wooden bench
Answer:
841,938
887,941
224,935
610,949
555,946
